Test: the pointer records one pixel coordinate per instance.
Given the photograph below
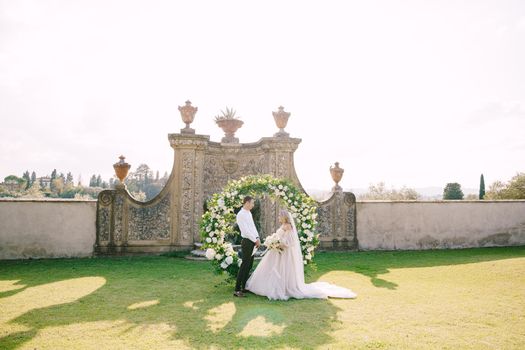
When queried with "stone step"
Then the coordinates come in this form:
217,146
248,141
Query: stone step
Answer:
200,254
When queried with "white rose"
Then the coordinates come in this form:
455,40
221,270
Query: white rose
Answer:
208,229
308,256
212,233
280,187
210,253
208,239
305,262
224,265
294,215
228,260
214,239
289,201
304,225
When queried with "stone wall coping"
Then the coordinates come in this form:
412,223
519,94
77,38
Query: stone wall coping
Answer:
443,201
50,200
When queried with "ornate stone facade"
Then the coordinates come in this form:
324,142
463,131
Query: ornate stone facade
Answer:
201,167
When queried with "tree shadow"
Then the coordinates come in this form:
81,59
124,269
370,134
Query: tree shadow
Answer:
195,306
379,263
187,294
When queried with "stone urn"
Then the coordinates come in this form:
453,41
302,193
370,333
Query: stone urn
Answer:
230,127
187,113
281,119
337,175
121,170
229,123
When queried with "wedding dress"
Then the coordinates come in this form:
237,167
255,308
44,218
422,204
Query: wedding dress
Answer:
280,275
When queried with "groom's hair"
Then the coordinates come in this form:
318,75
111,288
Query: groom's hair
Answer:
246,199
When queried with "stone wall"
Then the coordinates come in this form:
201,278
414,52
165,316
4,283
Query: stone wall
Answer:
441,224
46,228
170,221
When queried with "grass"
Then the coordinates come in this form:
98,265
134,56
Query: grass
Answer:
473,298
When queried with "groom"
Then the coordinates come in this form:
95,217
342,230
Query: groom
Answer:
250,238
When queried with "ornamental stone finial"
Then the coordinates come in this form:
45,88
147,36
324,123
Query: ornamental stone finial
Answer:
121,171
281,119
337,175
187,113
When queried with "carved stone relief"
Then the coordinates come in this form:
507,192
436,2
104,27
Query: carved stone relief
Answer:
151,222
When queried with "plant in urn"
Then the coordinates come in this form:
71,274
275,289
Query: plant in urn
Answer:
229,123
187,114
121,170
281,119
337,175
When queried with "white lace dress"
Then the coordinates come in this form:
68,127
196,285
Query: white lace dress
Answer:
280,275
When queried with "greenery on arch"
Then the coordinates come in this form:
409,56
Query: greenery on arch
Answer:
218,221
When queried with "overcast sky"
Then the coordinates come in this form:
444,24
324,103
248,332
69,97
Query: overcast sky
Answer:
415,93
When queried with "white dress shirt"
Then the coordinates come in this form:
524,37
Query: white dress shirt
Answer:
246,225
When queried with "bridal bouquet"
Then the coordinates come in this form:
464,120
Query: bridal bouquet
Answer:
273,242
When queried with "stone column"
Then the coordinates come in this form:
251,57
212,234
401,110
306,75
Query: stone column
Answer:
279,155
187,187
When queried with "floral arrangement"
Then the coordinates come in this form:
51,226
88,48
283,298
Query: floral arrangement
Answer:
273,242
226,115
218,221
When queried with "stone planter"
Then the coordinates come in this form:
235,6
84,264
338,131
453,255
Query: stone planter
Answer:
229,126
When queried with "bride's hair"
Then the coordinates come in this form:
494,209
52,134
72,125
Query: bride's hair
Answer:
284,214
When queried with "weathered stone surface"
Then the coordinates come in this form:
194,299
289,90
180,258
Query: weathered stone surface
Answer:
200,169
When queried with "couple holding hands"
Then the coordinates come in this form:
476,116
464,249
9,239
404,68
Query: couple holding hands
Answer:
280,273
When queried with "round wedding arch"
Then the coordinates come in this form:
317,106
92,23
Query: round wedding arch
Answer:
218,220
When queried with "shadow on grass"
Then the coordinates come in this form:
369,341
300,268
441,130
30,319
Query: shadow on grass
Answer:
182,294
188,298
379,263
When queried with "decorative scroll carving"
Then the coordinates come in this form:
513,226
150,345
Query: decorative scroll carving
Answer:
105,198
150,222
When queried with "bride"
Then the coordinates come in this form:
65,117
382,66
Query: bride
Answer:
280,273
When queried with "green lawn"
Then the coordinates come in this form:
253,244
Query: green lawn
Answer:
472,298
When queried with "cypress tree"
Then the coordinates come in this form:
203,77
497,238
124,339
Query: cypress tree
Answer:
481,187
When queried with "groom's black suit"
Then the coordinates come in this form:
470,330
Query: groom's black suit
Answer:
249,238
246,265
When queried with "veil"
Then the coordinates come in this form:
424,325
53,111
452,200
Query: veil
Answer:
295,249
281,275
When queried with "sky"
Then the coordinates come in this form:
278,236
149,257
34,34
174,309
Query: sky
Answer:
411,93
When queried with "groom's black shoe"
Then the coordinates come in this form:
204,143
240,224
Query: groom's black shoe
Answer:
239,294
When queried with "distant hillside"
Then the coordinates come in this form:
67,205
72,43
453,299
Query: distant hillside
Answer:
427,193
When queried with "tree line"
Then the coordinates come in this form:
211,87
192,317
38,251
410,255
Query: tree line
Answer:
513,189
142,184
